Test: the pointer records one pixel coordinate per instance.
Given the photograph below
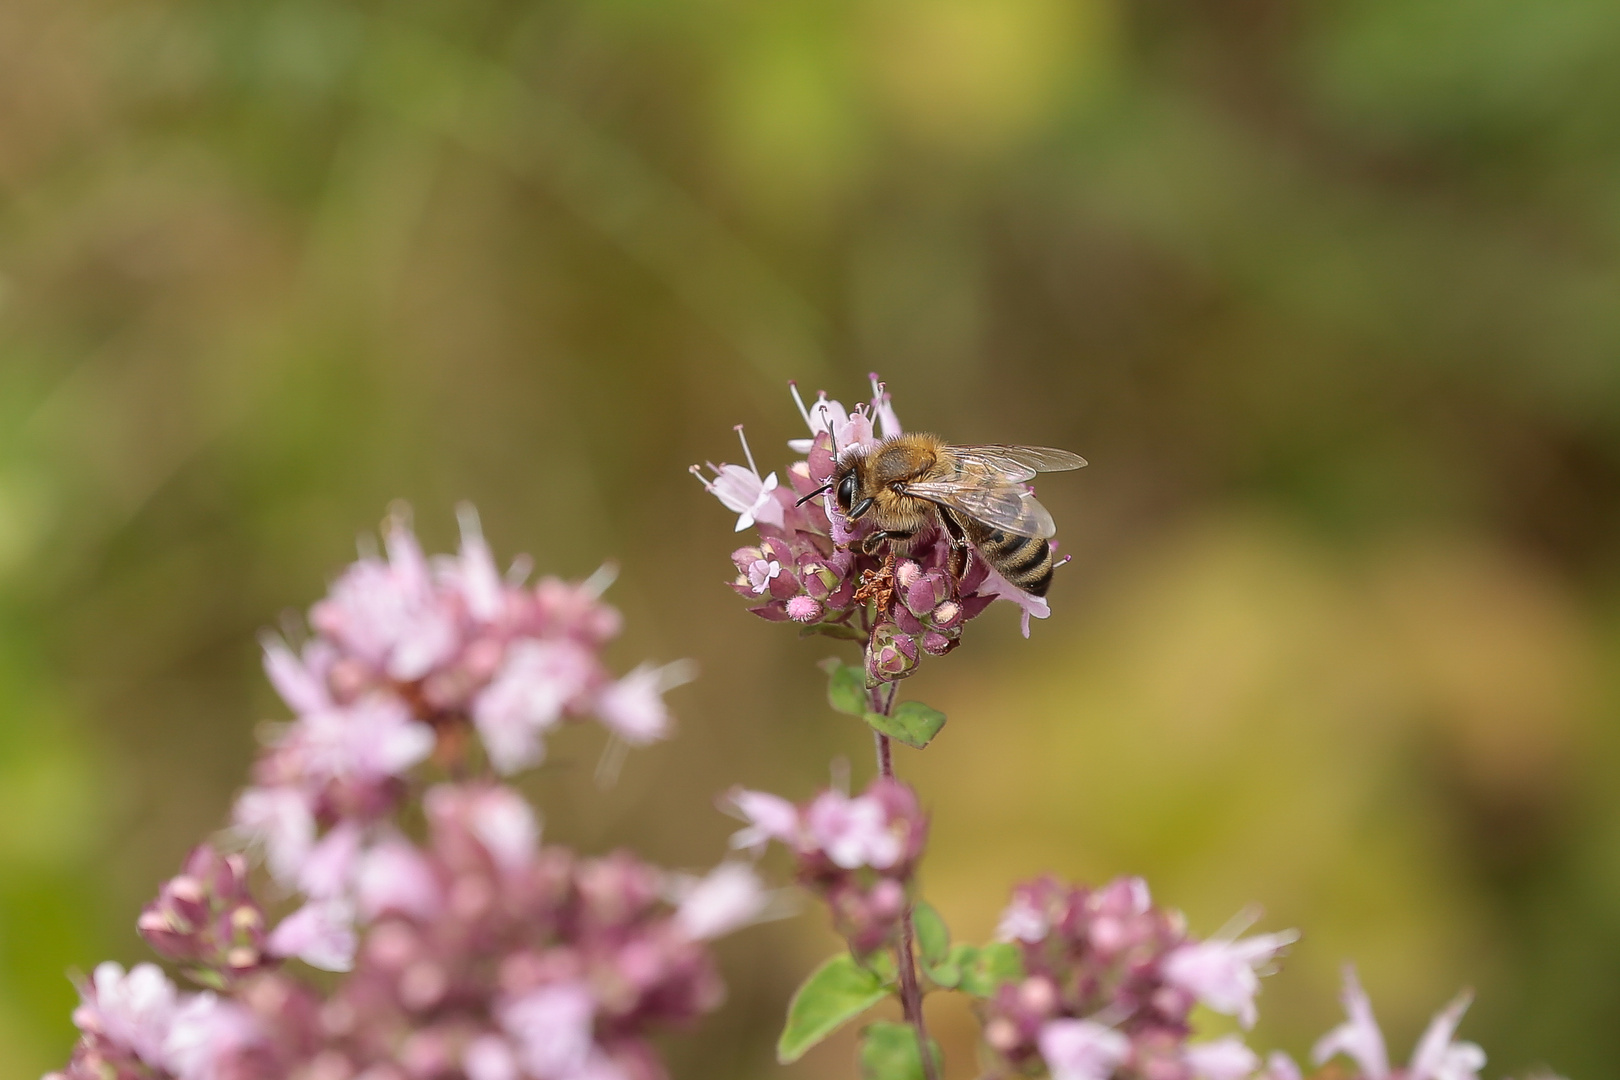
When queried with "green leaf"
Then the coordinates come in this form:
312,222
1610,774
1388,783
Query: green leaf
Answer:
889,1052
846,687
933,936
984,969
835,993
913,723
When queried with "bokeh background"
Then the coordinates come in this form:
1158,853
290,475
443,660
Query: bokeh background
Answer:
1329,294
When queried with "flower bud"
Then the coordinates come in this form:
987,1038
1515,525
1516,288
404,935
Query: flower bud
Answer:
802,609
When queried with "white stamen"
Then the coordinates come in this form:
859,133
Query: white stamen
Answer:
793,388
598,582
519,571
877,387
611,761
697,471
749,454
1237,924
467,518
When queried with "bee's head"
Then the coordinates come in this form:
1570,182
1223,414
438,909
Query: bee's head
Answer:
845,486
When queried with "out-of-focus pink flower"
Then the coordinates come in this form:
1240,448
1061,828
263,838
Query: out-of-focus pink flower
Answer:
472,574
281,820
1222,1059
301,681
1221,974
395,876
374,738
1437,1056
552,1028
731,896
133,1010
1082,1049
388,614
327,871
1359,1037
769,817
633,708
853,832
497,817
489,1057
1279,1066
321,934
527,697
206,1036
1022,921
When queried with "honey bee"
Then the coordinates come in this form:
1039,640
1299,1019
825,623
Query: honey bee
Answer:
976,493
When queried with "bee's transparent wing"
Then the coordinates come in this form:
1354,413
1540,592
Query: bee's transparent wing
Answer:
1009,507
1012,464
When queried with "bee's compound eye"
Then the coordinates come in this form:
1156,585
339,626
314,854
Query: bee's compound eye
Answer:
846,491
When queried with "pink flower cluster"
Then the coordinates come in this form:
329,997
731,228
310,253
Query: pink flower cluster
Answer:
857,854
410,657
808,567
477,952
1109,984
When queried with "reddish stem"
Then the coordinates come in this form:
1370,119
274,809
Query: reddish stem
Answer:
910,990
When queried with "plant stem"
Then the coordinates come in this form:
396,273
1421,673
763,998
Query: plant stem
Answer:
910,990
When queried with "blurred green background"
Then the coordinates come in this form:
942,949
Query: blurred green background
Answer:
1329,294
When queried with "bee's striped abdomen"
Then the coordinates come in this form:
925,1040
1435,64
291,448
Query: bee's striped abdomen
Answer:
1026,561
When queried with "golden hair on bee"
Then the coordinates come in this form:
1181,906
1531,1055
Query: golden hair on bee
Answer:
977,494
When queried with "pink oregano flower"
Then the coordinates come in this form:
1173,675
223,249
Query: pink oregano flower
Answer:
1436,1057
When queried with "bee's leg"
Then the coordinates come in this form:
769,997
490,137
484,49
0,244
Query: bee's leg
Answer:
875,541
957,535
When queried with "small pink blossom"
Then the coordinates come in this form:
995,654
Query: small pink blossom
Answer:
281,820
633,708
760,574
395,876
769,817
490,1057
498,817
321,934
731,896
1222,975
472,573
134,1011
853,832
1279,1066
206,1036
536,682
1359,1037
372,739
1222,1059
742,491
1022,921
300,680
1031,606
883,409
1437,1056
327,871
552,1027
846,429
389,614
1081,1049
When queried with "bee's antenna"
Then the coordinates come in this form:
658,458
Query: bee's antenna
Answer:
813,494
